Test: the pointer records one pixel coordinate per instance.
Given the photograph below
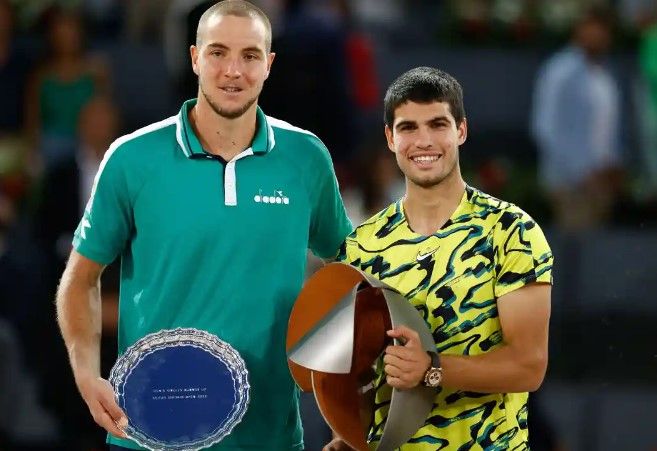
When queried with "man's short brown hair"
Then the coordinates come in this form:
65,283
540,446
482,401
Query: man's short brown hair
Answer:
239,8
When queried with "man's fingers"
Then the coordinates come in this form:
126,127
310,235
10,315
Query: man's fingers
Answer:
112,408
400,352
394,371
400,374
114,411
99,396
404,366
405,334
105,420
391,359
398,362
395,382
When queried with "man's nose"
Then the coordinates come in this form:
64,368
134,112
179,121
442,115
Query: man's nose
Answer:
233,68
423,139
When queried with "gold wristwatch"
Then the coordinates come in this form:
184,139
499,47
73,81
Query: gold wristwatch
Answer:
434,374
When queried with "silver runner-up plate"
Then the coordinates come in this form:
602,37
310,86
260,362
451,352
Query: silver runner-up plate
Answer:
181,389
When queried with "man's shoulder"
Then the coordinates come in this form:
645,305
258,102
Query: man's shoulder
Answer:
157,132
288,136
283,127
486,205
138,148
301,148
482,199
374,227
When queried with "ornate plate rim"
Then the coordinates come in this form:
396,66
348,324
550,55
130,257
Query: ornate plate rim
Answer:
206,341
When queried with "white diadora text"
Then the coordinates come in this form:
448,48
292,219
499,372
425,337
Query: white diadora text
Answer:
277,199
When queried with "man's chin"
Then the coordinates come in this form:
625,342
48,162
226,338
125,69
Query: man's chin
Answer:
427,182
231,114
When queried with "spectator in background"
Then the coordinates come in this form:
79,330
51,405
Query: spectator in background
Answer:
60,87
648,102
576,124
379,182
24,424
14,67
145,19
104,17
66,187
310,86
362,75
381,14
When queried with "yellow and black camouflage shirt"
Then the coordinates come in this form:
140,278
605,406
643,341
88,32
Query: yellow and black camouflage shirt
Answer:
454,277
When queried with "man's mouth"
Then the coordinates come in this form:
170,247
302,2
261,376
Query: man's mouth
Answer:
425,159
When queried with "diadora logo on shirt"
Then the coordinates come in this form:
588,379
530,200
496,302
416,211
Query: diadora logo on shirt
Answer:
278,198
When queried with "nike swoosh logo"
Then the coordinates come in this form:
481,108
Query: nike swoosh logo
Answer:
421,256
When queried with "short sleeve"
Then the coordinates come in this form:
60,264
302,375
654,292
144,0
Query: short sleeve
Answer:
523,255
349,251
329,223
106,223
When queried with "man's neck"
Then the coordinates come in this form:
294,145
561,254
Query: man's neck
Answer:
221,136
428,209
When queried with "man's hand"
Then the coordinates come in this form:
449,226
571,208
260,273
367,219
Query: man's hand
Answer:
337,444
405,366
99,396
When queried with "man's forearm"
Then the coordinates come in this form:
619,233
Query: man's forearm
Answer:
79,318
504,370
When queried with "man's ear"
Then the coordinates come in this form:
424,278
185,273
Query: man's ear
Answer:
389,138
463,131
193,53
270,61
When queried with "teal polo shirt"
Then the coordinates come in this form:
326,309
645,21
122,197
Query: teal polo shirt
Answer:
219,246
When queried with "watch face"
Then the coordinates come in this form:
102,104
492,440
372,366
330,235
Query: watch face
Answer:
434,375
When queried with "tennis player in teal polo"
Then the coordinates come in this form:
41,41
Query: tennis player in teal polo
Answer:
211,212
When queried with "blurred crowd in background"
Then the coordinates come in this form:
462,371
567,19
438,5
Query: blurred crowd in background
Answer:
561,98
